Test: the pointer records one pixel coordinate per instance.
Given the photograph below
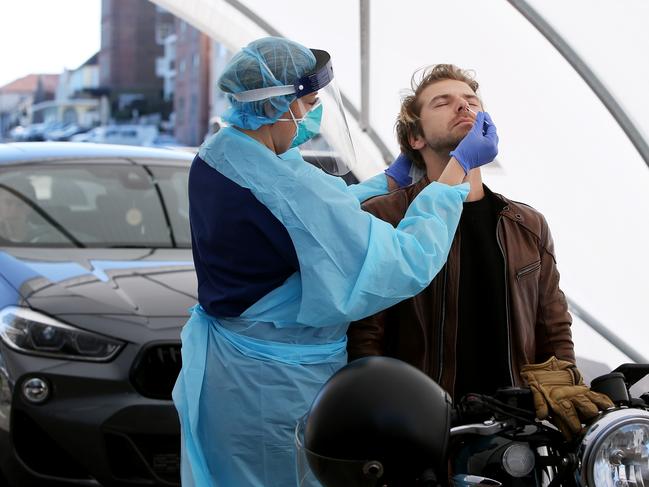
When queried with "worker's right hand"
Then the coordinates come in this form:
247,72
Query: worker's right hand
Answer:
479,146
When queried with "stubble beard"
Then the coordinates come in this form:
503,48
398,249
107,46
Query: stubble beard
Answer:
443,146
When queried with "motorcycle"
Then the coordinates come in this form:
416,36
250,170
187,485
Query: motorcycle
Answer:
512,448
488,440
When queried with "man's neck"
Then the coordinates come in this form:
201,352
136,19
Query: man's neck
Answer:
436,161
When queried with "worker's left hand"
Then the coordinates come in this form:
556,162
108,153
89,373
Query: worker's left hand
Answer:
479,146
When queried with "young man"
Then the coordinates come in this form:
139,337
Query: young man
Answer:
496,308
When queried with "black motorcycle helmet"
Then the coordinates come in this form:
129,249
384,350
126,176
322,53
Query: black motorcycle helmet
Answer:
378,422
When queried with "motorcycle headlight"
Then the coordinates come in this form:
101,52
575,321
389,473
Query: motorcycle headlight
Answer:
34,333
615,450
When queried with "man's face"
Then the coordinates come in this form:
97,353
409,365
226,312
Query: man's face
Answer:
444,117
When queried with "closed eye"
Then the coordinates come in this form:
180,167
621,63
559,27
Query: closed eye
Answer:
472,100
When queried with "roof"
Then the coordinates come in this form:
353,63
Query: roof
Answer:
29,83
91,61
21,152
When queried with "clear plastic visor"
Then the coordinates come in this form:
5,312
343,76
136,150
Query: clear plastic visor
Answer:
315,470
324,138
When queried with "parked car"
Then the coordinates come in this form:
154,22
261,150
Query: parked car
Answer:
144,135
96,278
17,133
65,132
166,140
33,132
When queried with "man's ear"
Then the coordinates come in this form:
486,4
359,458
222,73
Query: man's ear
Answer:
417,142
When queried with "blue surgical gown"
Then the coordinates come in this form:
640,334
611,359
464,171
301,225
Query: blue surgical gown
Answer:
247,378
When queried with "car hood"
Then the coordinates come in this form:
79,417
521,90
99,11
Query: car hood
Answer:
104,288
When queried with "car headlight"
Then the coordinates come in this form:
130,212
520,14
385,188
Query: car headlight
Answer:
32,332
615,450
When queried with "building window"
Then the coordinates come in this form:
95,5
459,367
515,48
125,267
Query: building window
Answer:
162,31
181,66
196,60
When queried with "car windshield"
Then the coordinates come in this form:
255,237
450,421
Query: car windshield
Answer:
94,205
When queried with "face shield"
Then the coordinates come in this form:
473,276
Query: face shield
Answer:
322,134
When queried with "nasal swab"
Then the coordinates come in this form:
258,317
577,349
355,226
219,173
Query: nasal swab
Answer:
474,113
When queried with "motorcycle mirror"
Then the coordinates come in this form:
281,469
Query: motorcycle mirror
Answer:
612,385
633,372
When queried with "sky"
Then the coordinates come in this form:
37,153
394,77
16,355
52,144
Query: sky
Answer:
45,36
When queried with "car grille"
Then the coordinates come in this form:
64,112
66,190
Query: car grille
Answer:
155,370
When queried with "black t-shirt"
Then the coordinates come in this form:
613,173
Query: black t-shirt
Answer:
482,339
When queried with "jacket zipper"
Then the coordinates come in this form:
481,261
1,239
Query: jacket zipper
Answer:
528,269
441,328
420,317
509,344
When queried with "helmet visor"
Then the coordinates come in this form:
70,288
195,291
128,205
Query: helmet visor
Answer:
315,470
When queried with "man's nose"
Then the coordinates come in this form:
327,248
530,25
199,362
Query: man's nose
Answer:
462,106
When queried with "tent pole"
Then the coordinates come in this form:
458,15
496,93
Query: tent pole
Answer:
365,64
591,79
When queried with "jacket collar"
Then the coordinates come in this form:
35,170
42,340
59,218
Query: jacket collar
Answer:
503,206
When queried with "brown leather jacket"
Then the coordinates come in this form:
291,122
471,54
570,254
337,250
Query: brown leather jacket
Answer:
423,330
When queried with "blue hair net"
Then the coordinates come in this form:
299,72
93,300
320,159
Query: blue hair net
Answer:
286,60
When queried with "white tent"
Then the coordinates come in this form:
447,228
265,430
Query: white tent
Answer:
561,150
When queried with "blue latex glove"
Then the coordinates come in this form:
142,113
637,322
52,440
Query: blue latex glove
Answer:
479,146
399,170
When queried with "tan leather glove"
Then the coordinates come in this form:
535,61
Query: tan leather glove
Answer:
559,392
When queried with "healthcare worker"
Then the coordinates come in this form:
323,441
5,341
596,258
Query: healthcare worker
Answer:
285,259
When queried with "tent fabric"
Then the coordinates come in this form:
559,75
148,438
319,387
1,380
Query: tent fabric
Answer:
560,149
